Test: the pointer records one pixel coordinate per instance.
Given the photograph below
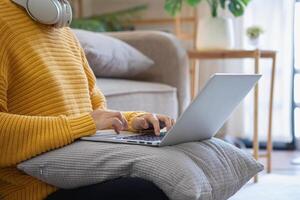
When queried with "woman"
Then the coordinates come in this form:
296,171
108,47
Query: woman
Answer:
48,99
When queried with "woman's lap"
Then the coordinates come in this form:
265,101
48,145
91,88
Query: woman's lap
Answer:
122,188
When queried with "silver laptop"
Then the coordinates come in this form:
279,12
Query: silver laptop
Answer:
201,120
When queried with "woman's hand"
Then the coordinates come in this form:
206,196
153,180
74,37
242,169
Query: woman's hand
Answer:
106,119
142,122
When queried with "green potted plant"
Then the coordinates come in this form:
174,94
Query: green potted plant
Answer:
253,33
214,31
112,21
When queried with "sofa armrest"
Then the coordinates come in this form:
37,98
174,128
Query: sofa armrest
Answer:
171,62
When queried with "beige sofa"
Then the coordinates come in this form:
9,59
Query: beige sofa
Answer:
164,88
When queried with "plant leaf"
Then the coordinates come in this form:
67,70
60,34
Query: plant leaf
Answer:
173,6
88,24
112,21
214,5
223,2
245,2
193,2
129,12
236,7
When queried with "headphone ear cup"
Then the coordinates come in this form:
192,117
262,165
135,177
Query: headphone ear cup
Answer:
65,15
69,14
46,11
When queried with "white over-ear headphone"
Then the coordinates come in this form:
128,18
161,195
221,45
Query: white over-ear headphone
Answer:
49,12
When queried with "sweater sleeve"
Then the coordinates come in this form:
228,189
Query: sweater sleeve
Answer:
23,137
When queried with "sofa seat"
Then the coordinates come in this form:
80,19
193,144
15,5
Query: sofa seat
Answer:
139,95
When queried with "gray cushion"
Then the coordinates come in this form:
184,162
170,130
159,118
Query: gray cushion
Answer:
138,95
110,57
208,170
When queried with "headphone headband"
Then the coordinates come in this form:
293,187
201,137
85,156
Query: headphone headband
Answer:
21,2
49,12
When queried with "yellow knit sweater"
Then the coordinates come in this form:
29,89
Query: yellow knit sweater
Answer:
47,91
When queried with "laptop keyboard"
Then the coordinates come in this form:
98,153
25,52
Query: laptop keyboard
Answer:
147,137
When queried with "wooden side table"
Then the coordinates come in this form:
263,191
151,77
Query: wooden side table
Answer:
78,6
241,54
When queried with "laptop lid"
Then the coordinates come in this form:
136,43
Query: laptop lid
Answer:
211,108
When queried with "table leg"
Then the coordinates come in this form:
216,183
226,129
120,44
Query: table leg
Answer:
197,78
79,8
178,26
192,75
269,142
255,129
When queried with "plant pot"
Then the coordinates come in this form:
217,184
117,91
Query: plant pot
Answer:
254,42
215,33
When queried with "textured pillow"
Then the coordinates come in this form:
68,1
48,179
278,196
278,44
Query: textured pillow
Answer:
110,57
208,170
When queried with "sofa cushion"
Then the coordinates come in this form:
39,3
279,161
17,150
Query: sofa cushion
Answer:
110,57
130,95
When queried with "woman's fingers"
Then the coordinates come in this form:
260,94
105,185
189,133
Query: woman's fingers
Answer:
105,119
155,122
117,124
121,117
137,123
140,123
125,122
173,122
144,122
166,120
